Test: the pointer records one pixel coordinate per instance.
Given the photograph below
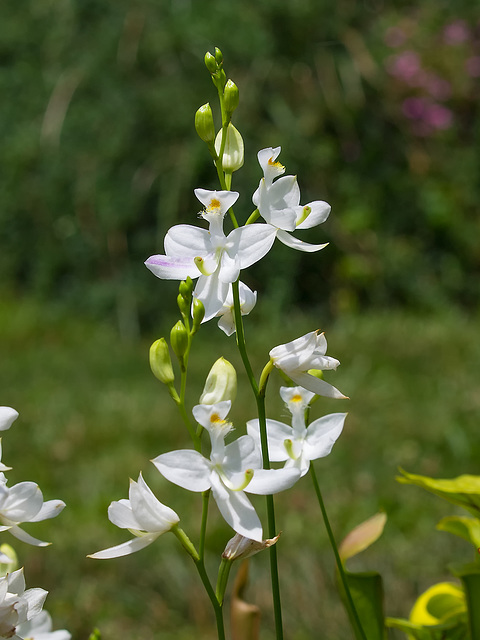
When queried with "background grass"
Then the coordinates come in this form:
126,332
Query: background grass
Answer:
92,415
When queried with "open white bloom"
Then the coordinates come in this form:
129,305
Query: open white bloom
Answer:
7,417
210,256
24,503
17,606
298,445
248,299
231,470
279,203
296,358
143,515
40,628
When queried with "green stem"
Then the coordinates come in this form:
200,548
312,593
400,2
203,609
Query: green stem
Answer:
222,579
350,604
203,530
253,217
260,400
217,607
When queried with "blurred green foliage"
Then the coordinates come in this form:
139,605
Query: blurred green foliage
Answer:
99,154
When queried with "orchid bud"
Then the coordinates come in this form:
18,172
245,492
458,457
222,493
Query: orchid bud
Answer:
160,361
179,339
230,96
218,56
210,62
233,153
221,383
204,124
185,288
240,548
183,304
198,314
8,559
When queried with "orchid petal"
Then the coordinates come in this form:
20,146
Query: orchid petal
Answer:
237,510
203,412
268,481
7,417
186,240
320,387
295,353
295,243
22,535
277,433
322,435
120,513
50,509
152,515
250,243
22,502
319,212
172,268
226,199
126,548
212,294
241,454
186,468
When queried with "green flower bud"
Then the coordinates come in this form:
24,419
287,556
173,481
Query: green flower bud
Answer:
179,339
233,152
218,56
12,564
230,94
222,77
204,124
210,62
160,361
183,304
185,288
198,314
221,383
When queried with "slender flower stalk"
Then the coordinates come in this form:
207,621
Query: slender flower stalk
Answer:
350,604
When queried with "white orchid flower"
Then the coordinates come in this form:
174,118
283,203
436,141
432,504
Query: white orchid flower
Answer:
210,256
143,515
298,357
297,445
231,470
40,628
7,417
17,605
248,299
279,203
24,503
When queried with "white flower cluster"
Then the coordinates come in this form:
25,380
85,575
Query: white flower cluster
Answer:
21,615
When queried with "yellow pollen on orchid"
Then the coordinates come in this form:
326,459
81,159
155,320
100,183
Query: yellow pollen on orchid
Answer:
272,163
297,398
214,205
215,419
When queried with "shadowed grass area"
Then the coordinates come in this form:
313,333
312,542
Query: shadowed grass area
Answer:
92,415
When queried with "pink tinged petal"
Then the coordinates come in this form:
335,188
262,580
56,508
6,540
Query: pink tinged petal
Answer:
22,503
7,417
226,198
212,294
22,535
120,514
277,433
293,355
320,387
251,243
203,412
237,510
126,548
152,515
299,245
185,240
241,454
266,482
50,509
172,268
322,435
319,212
186,468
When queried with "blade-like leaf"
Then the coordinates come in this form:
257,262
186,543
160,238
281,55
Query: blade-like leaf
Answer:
469,574
464,490
466,528
367,593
